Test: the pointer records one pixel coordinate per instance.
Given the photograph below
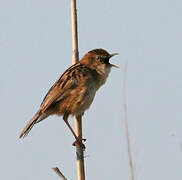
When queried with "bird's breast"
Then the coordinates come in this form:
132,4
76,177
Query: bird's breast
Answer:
103,74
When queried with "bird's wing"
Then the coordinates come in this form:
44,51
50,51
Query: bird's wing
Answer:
69,80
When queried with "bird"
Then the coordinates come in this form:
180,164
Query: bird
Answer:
74,91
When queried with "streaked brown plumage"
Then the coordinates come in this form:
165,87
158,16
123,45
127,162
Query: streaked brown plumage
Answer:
74,91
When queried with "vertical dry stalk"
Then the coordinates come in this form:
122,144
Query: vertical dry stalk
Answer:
78,120
126,124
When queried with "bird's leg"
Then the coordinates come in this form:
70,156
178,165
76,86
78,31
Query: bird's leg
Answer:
78,141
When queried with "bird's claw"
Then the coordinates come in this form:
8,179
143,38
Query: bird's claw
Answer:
79,143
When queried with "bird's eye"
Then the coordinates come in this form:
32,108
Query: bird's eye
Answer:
98,57
103,59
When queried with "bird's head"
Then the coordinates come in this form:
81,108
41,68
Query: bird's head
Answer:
98,58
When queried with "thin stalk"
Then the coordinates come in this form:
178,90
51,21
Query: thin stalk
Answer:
59,173
126,124
78,120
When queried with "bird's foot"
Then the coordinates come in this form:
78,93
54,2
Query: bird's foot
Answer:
79,142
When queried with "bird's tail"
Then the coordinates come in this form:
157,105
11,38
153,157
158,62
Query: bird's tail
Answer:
37,117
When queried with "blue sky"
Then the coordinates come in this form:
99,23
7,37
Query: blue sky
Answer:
35,49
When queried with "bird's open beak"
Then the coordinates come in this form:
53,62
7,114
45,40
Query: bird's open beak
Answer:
114,54
114,66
